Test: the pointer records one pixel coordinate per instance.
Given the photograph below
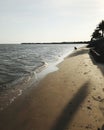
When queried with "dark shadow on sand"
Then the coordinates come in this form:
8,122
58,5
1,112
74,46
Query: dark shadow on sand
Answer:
98,64
79,52
71,108
102,127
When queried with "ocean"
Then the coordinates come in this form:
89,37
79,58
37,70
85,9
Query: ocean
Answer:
21,66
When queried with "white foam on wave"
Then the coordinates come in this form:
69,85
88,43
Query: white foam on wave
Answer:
52,67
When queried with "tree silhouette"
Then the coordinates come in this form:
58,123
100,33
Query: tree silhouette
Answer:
96,35
99,32
101,27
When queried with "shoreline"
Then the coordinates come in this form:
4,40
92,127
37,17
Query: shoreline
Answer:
17,88
75,91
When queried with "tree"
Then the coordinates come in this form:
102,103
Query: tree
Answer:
99,32
96,35
101,27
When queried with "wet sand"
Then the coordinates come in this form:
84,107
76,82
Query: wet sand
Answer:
71,98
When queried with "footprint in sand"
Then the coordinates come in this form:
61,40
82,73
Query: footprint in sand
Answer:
84,64
86,72
94,88
98,98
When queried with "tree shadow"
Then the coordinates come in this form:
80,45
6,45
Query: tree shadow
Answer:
71,108
98,64
102,127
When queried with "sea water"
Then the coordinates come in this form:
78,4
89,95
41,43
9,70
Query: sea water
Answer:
22,65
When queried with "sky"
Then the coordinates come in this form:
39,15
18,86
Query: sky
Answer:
49,20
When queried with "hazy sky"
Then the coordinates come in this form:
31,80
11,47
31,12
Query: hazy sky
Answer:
48,20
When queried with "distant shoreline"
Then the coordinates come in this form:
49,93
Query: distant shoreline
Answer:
80,42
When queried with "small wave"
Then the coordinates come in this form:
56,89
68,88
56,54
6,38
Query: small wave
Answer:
41,67
23,78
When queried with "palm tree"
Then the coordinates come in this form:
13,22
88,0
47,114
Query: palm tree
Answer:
96,35
101,27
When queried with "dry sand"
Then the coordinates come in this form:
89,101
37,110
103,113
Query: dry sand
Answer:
71,98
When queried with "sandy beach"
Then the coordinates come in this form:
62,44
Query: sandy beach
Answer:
72,98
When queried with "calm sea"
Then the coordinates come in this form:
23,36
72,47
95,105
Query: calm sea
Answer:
19,65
